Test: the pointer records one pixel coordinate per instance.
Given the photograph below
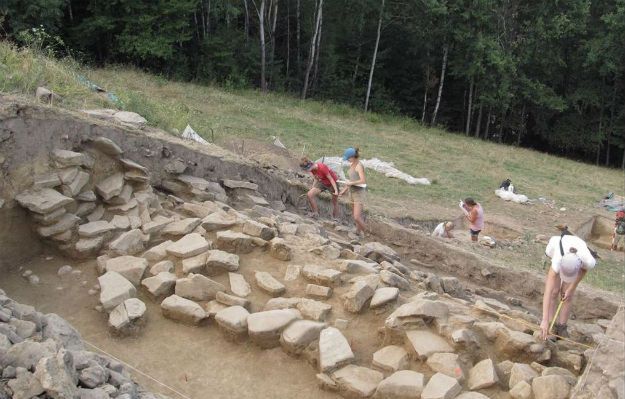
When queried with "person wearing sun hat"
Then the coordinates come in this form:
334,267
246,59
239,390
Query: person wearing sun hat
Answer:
324,179
357,186
570,261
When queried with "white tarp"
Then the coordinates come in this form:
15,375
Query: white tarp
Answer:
386,168
510,196
190,134
277,142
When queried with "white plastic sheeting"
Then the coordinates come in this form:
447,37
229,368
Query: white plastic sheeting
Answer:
191,134
510,196
386,168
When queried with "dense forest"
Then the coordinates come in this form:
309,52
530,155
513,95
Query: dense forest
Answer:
548,75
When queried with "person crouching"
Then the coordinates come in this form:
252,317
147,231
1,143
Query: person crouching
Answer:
324,179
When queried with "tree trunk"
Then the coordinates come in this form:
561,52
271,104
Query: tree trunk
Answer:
375,55
500,134
288,40
197,29
273,40
311,54
69,8
600,128
522,129
425,100
487,125
440,85
261,26
203,18
316,67
247,22
468,125
299,53
478,125
623,160
208,17
607,155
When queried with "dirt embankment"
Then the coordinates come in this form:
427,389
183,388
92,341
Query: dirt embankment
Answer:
29,132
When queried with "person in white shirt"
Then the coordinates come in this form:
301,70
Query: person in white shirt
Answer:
443,230
570,261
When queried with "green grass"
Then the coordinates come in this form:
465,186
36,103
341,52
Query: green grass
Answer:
459,166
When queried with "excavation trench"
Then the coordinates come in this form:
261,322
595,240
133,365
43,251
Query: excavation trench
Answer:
197,360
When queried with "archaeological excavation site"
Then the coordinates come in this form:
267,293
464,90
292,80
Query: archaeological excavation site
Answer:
136,265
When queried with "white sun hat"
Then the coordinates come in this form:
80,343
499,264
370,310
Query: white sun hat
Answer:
569,267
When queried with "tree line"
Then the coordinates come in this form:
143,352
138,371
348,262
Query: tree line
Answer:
548,75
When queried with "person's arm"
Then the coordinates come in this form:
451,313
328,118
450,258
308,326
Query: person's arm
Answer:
361,176
336,190
472,216
571,289
550,283
450,235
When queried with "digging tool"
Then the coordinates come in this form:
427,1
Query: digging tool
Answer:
553,322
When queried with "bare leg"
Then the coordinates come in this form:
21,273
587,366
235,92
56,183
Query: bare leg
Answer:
360,223
473,238
555,298
312,195
566,307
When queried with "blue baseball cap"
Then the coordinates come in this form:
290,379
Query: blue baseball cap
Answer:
349,153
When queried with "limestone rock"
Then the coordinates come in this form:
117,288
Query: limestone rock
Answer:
49,218
59,330
471,395
522,390
198,287
269,284
57,376
66,222
177,308
416,311
154,226
334,350
279,249
292,272
425,343
27,353
24,386
222,260
314,310
111,186
162,266
521,372
441,386
319,275
394,280
74,187
384,295
354,299
256,229
43,201
299,334
231,241
129,243
128,316
482,375
446,363
64,158
356,381
195,264
550,387
114,289
238,285
231,300
160,285
157,252
282,303
233,321
378,252
218,220
318,291
107,146
355,266
265,328
189,245
130,267
391,358
403,384
240,184
181,227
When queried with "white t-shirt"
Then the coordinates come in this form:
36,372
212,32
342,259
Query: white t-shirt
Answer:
568,242
440,231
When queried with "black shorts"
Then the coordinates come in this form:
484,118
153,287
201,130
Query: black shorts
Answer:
474,233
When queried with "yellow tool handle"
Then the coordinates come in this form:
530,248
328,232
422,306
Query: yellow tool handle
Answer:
553,322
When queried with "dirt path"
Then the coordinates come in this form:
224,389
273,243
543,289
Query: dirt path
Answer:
196,361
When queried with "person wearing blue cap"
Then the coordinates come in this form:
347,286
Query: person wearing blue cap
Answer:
357,186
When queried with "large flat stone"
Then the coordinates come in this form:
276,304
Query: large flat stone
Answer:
240,184
265,328
356,297
189,245
114,289
111,186
301,333
65,223
425,343
384,295
234,242
238,285
157,252
441,386
93,229
198,287
181,227
218,220
161,284
446,363
403,384
391,358
483,375
218,259
129,243
233,321
257,229
322,276
269,284
130,267
177,308
356,381
314,310
334,350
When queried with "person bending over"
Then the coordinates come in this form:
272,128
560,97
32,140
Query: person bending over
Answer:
324,179
570,261
475,215
443,230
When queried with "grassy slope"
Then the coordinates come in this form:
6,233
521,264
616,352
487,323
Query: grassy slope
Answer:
459,166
